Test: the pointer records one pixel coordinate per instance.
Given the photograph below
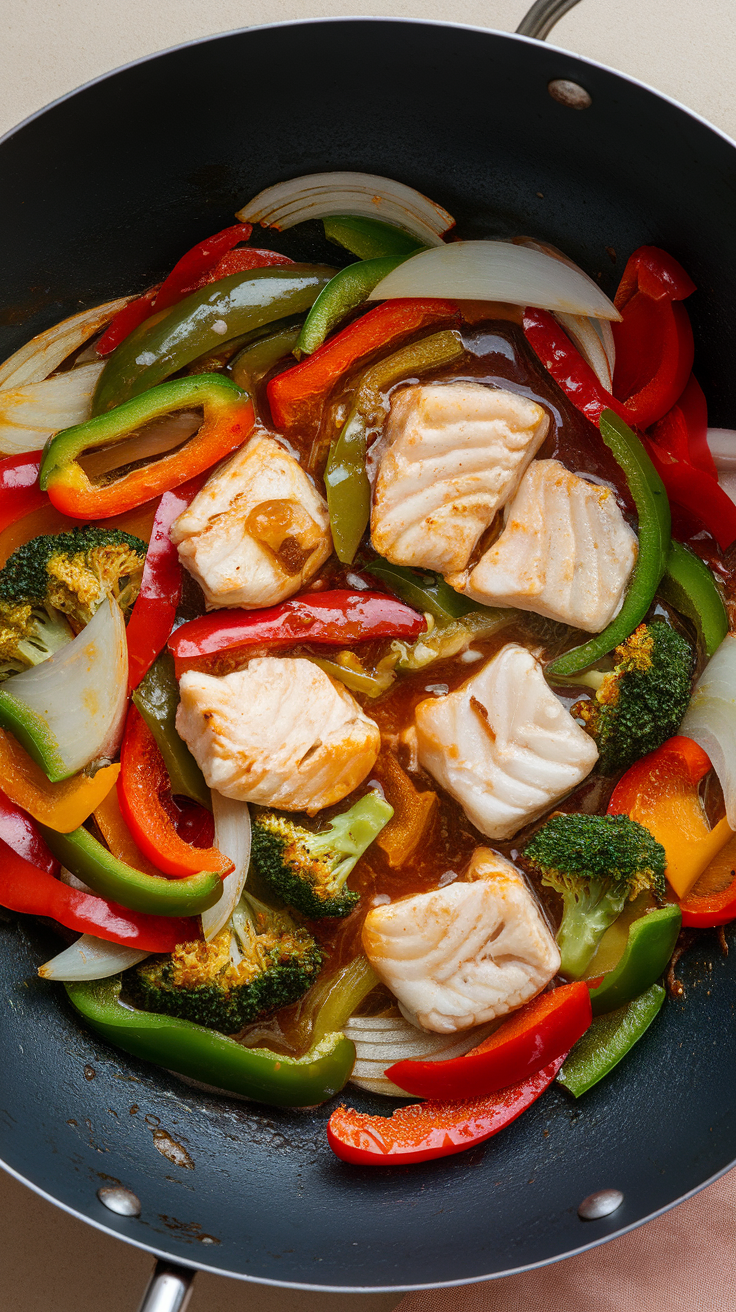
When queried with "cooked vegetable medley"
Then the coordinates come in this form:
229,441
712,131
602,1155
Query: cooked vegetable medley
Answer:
366,683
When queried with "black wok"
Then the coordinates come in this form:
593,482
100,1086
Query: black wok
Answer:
99,194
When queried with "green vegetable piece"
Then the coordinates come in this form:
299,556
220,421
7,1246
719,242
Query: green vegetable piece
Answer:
201,1054
204,321
653,510
370,684
370,239
308,870
450,638
341,994
255,360
650,945
345,292
118,882
34,734
157,699
690,587
608,1040
425,591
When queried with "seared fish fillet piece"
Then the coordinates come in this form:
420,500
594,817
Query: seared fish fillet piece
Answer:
454,454
257,531
280,732
466,953
566,551
503,745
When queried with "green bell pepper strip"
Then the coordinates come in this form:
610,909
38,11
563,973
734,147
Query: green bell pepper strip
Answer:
345,292
689,586
608,1040
650,945
202,322
424,590
255,360
157,699
118,882
33,733
653,510
205,1055
370,239
346,480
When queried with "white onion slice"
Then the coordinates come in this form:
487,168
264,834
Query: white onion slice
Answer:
91,958
81,691
44,353
232,838
31,414
320,195
497,271
382,1040
582,331
722,444
711,719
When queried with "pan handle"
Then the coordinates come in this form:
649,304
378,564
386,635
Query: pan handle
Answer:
169,1288
542,16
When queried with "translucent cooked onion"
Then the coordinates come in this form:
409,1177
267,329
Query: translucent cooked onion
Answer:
91,958
382,1040
44,353
321,195
722,444
711,719
31,414
583,332
497,271
232,838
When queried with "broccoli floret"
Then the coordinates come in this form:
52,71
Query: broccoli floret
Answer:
308,871
642,701
596,863
51,587
258,963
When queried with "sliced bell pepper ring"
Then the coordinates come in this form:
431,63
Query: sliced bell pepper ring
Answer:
425,1130
18,830
661,792
654,340
652,508
339,618
157,699
20,493
205,1055
690,587
228,421
531,1038
198,262
62,806
369,239
563,361
608,1040
650,945
348,289
296,397
143,789
34,892
712,900
126,320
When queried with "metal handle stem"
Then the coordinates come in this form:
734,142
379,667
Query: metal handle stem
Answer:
169,1288
542,16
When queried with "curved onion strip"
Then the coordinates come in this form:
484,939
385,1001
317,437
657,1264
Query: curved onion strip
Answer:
30,415
91,958
320,195
497,271
44,353
583,333
711,719
605,332
573,323
722,443
81,691
382,1040
232,838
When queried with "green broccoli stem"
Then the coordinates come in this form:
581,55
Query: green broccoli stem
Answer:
590,679
349,835
585,920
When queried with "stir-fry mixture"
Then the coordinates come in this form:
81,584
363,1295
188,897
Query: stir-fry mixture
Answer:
367,690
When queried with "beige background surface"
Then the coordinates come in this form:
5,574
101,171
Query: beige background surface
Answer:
52,1263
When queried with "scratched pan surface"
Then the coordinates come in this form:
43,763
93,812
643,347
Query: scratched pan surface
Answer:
98,195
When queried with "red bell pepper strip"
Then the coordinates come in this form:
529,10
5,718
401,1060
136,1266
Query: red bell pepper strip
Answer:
431,1129
248,257
707,910
683,431
153,614
33,892
296,396
20,832
696,491
654,339
338,618
131,316
187,272
20,493
144,794
530,1039
563,361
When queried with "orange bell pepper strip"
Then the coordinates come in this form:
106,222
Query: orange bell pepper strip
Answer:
63,806
661,792
413,814
712,901
117,836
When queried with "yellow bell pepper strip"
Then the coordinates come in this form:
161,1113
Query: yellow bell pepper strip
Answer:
109,820
345,292
62,806
228,420
608,1040
205,1055
689,586
661,792
414,811
346,480
369,238
650,945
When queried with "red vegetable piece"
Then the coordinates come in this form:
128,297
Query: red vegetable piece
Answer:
338,617
657,274
425,1130
654,340
33,892
187,272
563,361
711,909
697,492
248,257
530,1039
20,832
131,316
19,490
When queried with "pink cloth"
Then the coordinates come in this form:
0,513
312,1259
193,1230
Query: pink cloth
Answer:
684,1261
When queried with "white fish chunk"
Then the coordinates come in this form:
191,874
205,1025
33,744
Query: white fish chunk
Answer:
466,953
503,745
280,732
566,551
257,531
454,454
